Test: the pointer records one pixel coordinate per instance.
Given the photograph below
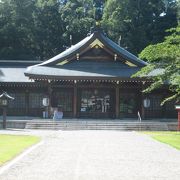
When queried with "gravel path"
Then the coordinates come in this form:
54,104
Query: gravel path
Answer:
96,155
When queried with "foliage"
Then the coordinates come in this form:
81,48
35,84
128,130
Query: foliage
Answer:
164,56
11,146
48,29
139,23
178,10
40,29
78,18
15,32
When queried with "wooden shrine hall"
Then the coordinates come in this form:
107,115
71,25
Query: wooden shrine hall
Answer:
92,79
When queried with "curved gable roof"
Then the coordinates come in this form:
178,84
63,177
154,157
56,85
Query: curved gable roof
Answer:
123,52
70,51
96,39
97,35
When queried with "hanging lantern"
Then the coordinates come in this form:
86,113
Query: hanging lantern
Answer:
45,101
146,102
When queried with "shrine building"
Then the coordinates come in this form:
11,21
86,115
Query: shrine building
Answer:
91,79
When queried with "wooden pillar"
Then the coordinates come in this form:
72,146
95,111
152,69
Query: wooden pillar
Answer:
75,100
117,100
163,112
49,96
27,102
178,120
4,117
142,99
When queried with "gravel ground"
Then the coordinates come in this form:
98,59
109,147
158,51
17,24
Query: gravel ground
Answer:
95,155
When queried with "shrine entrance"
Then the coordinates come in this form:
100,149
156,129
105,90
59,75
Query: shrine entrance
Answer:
129,104
96,103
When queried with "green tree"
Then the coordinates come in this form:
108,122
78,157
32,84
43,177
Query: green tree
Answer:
78,18
40,29
139,22
178,10
16,22
164,61
48,29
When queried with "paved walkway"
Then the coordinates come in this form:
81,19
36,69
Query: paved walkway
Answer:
96,155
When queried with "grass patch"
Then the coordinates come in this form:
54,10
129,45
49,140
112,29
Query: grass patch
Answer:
12,145
168,137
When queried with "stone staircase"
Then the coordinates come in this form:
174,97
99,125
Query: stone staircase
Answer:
100,125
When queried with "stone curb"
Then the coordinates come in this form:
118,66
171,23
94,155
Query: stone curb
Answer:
19,157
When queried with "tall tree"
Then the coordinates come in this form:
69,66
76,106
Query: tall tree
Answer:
48,29
16,22
138,22
40,29
78,18
178,11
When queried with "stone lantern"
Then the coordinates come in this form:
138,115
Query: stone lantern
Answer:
4,101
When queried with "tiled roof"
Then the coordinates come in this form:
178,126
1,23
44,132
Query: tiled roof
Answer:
9,74
77,48
74,68
85,69
13,70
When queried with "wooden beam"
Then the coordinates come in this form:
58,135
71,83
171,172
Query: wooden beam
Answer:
97,58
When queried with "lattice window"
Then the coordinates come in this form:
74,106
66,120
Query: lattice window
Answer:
35,100
155,102
128,103
63,98
19,100
170,105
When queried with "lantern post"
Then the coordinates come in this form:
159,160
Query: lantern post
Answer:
4,101
45,104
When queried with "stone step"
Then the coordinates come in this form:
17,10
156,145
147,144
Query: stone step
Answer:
96,125
122,129
75,123
38,125
95,122
66,124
